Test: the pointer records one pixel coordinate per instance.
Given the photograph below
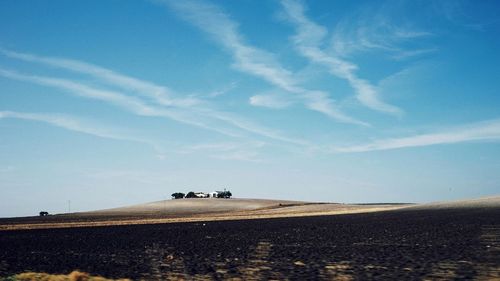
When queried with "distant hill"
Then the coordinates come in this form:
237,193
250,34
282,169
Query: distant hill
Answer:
190,206
484,202
212,209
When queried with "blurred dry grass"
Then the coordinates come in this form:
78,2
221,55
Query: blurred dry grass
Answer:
73,276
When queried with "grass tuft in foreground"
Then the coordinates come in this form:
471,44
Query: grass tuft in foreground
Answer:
73,276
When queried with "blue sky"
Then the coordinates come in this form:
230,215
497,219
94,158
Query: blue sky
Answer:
111,103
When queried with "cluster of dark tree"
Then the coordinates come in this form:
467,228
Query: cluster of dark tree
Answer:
191,194
43,214
178,195
224,194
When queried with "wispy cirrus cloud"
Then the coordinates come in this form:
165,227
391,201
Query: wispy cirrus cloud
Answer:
404,54
354,35
257,129
128,103
205,118
162,100
75,124
160,94
81,90
308,40
247,151
252,60
459,13
241,151
222,91
481,131
270,100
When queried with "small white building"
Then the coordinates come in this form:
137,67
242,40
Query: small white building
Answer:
213,194
201,195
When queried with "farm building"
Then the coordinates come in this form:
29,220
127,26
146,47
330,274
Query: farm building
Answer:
213,194
201,195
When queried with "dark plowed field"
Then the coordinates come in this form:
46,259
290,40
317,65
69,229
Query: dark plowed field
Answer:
400,245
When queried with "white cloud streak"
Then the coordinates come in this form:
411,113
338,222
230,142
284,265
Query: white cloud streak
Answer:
406,54
223,90
189,111
246,151
307,41
349,38
128,103
73,124
269,100
160,94
252,60
257,129
240,151
482,131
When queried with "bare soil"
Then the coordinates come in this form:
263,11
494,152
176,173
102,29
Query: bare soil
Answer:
447,243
